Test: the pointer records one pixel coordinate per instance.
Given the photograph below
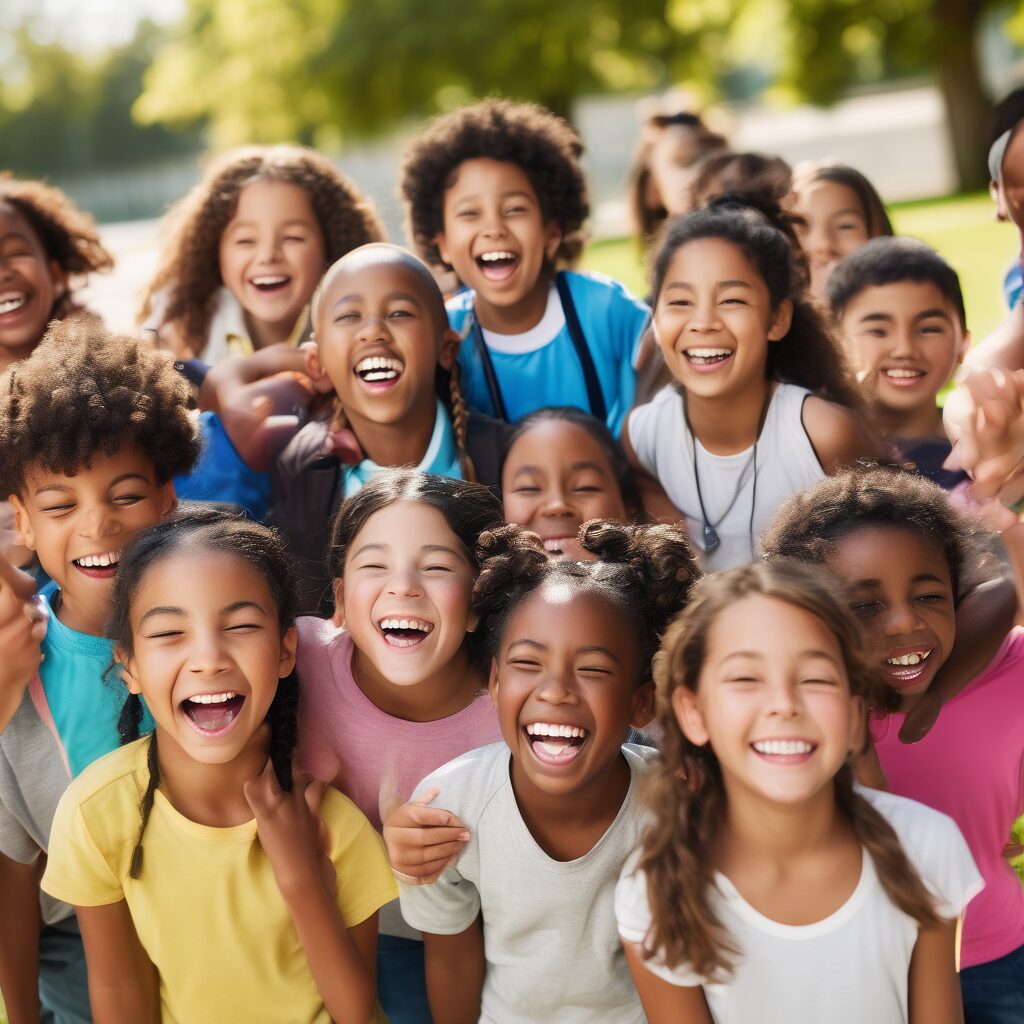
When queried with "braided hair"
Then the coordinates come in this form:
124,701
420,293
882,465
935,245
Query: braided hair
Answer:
215,529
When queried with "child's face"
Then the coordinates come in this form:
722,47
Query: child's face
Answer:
671,160
554,479
565,686
379,341
30,284
207,655
405,594
901,591
272,252
832,223
77,526
1009,193
773,701
495,235
713,318
904,341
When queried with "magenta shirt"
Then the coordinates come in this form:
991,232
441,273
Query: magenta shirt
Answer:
345,739
971,766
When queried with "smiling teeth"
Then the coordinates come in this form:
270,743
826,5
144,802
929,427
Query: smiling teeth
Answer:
10,302
98,561
566,731
904,373
493,257
378,368
783,747
556,543
423,627
708,353
908,659
269,281
212,698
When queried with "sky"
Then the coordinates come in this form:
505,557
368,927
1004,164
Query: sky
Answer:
89,25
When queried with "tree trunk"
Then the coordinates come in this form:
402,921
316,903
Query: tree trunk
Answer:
968,110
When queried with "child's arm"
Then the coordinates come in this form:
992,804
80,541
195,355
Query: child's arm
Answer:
652,495
933,992
421,841
455,974
19,940
22,628
342,960
123,983
839,437
663,1002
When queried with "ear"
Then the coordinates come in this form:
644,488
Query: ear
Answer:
167,499
689,717
782,318
643,706
22,522
552,239
126,670
289,644
449,351
441,241
59,278
996,192
492,681
311,360
963,348
338,590
858,726
472,622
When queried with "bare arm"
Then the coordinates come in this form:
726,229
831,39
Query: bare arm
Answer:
934,992
19,940
652,495
22,628
1004,347
455,974
839,436
663,1002
123,983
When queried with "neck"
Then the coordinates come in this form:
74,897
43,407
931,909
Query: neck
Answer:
211,794
87,618
263,334
728,424
924,421
518,318
445,693
402,443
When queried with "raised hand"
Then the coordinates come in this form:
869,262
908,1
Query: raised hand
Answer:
422,840
23,618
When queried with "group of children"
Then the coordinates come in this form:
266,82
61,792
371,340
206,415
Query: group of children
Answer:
543,654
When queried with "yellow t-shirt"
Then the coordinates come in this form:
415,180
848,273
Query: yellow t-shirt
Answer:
207,909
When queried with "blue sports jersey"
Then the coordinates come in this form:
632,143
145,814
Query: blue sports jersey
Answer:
535,371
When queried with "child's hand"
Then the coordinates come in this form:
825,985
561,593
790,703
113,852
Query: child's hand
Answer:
290,829
262,418
23,619
422,841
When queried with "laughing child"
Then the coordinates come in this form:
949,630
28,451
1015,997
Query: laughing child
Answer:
495,192
79,494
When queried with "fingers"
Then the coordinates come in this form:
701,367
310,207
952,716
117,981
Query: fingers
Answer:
314,794
427,874
21,584
262,792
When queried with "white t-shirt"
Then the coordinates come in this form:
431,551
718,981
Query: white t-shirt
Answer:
553,955
850,968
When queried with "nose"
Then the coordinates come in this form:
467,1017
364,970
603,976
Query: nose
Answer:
404,583
783,698
557,687
98,521
373,328
207,655
818,243
269,249
556,504
902,342
493,223
704,316
902,619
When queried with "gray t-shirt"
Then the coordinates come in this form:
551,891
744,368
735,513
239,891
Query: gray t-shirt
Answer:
550,938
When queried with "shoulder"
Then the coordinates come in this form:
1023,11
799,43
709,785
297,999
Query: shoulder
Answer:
665,407
459,307
123,769
640,758
470,781
303,450
596,293
838,435
316,633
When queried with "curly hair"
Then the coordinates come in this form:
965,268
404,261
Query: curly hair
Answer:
543,145
808,526
83,391
686,791
190,266
68,236
647,572
808,354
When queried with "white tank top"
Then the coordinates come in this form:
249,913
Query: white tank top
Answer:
786,464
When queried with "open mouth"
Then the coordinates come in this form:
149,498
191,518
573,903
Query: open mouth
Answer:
907,669
555,744
498,265
379,370
405,633
707,357
556,545
270,283
102,566
212,714
793,751
10,302
903,378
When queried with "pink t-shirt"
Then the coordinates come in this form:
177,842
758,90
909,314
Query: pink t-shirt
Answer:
345,739
971,766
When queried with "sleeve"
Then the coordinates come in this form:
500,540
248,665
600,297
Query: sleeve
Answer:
445,907
76,870
627,318
642,432
365,882
15,841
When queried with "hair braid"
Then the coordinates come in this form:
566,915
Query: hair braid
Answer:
129,719
460,420
146,806
283,718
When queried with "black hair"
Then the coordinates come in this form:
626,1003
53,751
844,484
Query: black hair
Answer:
646,572
808,354
889,260
215,529
750,173
599,431
468,508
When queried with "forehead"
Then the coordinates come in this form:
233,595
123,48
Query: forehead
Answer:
556,445
14,222
893,555
101,471
823,197
768,625
405,525
711,258
899,298
1013,159
227,578
273,201
568,614
482,176
366,275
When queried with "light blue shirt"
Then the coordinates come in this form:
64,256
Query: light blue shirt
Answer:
540,368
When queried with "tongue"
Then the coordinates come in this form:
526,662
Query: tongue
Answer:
498,270
554,745
212,717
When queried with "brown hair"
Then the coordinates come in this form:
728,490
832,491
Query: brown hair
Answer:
686,791
190,265
875,214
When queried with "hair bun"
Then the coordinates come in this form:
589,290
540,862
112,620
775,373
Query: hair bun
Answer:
761,201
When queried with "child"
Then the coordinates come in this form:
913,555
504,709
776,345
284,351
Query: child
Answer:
746,347
768,887
92,429
904,553
180,905
402,667
899,310
246,248
47,246
384,345
495,191
553,811
563,467
836,210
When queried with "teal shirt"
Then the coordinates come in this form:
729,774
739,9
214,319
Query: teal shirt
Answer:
83,699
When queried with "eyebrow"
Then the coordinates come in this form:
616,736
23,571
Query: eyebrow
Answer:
170,609
582,464
538,646
66,489
504,195
928,314
304,221
356,297
720,284
425,549
921,577
810,652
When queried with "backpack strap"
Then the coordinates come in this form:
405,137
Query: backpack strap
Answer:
490,377
579,342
